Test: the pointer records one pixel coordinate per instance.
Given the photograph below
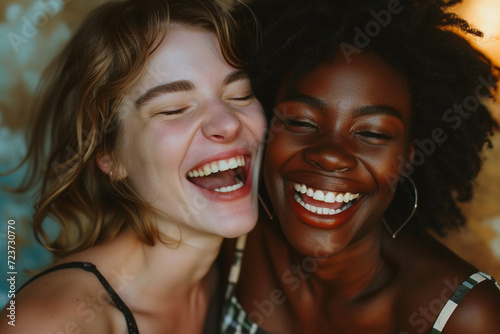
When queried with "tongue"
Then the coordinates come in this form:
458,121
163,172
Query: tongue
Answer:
216,181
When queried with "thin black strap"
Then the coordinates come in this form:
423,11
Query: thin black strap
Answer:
89,267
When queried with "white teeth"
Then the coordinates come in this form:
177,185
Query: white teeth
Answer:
347,197
230,188
319,195
223,166
330,197
232,163
320,210
214,168
207,170
218,166
325,196
339,198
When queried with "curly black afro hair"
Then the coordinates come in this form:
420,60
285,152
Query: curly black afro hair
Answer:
450,81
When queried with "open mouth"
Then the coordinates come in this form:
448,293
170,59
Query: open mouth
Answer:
222,176
323,202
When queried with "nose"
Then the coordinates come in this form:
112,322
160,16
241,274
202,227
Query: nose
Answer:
330,157
222,124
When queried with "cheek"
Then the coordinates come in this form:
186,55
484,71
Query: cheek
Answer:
279,156
386,166
277,153
258,123
149,151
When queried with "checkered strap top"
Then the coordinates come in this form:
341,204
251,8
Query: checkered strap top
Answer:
457,297
234,318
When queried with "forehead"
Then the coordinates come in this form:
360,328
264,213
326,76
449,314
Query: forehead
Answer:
365,79
185,54
185,47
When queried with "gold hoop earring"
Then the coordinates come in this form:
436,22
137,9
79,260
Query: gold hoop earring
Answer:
269,214
411,215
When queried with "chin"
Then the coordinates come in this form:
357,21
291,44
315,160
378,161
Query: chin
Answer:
237,225
318,244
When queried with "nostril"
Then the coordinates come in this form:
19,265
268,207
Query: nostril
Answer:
315,164
320,166
217,137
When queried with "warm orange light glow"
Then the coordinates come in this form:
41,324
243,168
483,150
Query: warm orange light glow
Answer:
484,15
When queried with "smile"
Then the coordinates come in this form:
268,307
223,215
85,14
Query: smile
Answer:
222,176
323,202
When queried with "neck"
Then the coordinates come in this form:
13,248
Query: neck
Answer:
356,271
152,276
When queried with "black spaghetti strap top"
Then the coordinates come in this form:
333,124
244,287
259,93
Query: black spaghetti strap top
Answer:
89,267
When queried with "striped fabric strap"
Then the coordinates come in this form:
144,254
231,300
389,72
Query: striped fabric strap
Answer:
457,297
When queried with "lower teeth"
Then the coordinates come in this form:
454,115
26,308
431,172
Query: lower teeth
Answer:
230,188
321,210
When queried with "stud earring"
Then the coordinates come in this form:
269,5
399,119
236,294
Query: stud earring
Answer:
411,215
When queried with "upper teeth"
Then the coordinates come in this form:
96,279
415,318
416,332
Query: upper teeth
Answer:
325,196
217,166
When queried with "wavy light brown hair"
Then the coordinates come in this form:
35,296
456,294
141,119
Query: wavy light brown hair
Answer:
77,115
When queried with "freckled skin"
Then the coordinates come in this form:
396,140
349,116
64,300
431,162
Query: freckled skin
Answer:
350,276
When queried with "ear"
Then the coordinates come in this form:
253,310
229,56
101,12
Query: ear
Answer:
109,166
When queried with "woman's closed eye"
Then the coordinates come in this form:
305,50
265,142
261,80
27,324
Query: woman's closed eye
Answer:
299,125
242,100
374,137
172,112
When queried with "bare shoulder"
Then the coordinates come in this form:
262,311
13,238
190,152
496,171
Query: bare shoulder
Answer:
478,311
428,276
64,301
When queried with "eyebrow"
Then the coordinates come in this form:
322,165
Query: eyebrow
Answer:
305,99
171,87
235,76
183,86
362,111
378,110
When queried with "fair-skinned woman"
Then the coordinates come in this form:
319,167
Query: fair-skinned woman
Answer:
154,98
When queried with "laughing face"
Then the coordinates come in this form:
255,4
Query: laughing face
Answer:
191,138
336,149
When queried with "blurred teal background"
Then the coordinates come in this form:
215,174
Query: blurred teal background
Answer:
31,33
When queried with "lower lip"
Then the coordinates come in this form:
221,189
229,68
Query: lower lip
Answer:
321,221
